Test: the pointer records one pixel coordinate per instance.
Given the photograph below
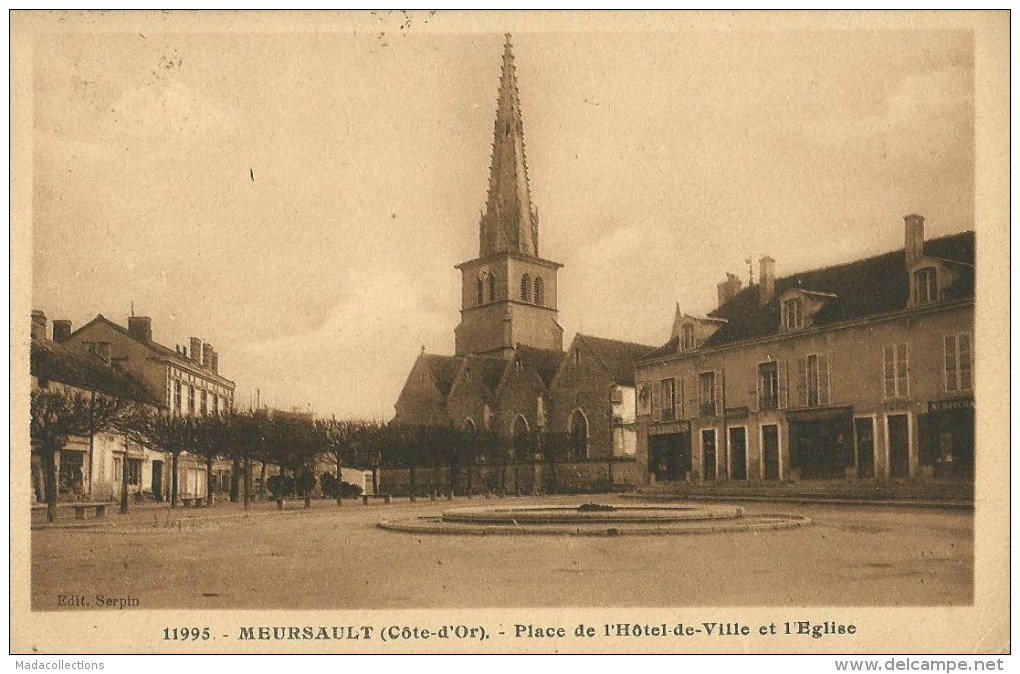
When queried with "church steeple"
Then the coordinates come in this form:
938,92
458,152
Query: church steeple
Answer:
508,293
510,222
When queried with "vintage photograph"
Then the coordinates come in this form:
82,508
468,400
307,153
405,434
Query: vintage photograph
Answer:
499,315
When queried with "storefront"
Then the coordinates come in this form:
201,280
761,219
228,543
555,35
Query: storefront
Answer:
821,442
947,438
669,451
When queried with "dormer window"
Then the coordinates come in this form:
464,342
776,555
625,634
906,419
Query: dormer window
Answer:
687,337
793,314
925,287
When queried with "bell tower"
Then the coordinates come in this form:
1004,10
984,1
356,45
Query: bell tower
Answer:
508,292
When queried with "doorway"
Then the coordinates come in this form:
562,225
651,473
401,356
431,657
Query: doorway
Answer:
708,461
899,445
157,480
864,441
738,453
770,451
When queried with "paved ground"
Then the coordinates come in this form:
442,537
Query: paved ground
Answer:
336,558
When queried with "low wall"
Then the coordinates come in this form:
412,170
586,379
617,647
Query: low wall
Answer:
573,477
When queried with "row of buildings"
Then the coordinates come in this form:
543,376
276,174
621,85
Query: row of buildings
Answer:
862,370
125,362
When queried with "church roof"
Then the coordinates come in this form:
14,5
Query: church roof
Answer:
510,223
543,361
616,357
444,370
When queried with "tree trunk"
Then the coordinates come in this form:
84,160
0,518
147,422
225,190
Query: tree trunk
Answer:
208,480
247,481
339,481
502,477
49,459
235,480
262,482
471,476
375,479
413,487
124,485
174,486
92,444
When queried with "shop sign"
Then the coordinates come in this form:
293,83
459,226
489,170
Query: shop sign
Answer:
950,405
670,428
824,414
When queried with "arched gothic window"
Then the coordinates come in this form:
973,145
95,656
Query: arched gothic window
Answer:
480,288
539,290
492,288
525,288
578,434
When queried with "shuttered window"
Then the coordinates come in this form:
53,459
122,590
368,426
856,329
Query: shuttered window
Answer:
959,362
813,381
895,369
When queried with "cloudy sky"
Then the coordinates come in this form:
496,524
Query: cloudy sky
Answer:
658,161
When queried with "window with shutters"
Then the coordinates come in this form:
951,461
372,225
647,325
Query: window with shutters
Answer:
768,385
687,337
667,399
959,362
793,314
707,389
525,288
539,291
895,371
813,381
925,289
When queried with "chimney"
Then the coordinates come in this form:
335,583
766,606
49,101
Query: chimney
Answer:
728,288
207,352
140,327
766,280
38,325
914,235
214,362
196,349
61,330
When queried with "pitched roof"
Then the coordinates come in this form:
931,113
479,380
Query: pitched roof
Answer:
488,369
157,348
443,368
616,357
862,288
49,361
543,361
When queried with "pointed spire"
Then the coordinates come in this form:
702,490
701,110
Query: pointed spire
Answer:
678,318
510,222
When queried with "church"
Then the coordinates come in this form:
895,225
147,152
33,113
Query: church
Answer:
510,374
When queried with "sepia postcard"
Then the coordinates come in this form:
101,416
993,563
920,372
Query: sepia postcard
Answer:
509,332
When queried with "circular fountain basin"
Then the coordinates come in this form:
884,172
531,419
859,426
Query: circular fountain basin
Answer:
593,520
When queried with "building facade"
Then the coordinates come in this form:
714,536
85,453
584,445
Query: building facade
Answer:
510,373
858,371
91,467
185,380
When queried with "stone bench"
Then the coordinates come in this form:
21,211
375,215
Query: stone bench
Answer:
81,510
366,497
